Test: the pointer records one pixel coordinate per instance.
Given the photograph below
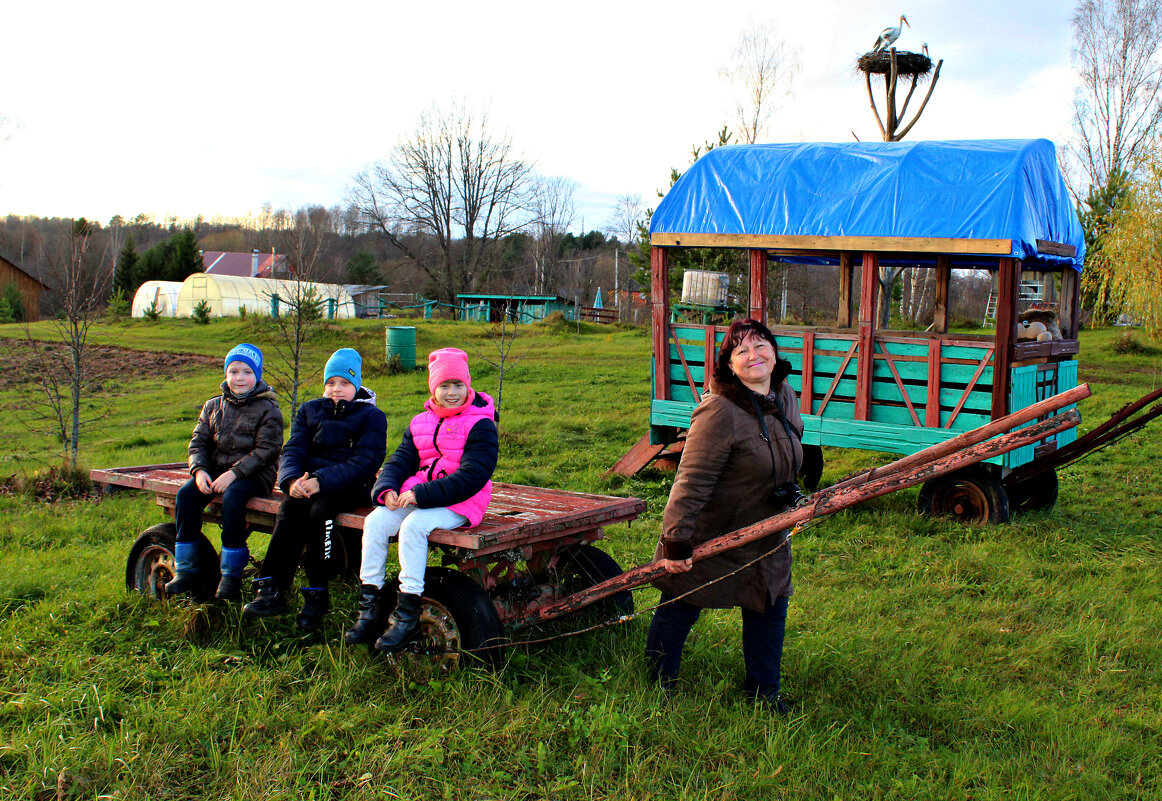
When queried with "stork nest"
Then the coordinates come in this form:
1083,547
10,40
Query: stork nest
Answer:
906,63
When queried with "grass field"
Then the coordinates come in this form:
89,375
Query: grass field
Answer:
924,659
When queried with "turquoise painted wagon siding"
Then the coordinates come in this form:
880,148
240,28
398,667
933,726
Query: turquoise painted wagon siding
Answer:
906,414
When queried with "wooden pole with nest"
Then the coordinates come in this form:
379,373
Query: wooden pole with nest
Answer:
892,64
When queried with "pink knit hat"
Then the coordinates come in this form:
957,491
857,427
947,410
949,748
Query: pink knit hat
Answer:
447,364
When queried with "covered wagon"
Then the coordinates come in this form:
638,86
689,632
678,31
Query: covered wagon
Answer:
1000,206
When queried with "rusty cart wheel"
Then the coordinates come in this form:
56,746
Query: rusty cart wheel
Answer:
456,619
1034,494
972,495
579,568
150,565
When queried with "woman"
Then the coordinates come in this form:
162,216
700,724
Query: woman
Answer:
738,467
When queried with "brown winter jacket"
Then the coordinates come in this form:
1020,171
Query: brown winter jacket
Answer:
239,434
724,483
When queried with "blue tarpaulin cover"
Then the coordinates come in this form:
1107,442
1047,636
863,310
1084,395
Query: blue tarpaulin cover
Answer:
981,189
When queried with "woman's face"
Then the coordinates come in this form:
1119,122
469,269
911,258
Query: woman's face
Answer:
753,361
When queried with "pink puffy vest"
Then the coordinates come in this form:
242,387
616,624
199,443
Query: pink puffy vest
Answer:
440,442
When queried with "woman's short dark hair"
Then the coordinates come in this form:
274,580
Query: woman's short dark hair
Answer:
738,331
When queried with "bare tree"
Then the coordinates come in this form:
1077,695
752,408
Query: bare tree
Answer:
623,220
452,180
1117,108
762,67
304,236
553,211
79,282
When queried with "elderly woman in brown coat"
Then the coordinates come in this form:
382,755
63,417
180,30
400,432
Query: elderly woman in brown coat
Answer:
738,467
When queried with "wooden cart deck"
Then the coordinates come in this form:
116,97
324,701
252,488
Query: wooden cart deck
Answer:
517,515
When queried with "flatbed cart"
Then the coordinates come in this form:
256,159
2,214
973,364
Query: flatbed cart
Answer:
534,547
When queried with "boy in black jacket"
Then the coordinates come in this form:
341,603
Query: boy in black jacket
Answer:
336,445
233,454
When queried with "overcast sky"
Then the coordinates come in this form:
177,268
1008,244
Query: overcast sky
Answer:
216,108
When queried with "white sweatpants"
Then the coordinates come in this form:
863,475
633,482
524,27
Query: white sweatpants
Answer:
413,525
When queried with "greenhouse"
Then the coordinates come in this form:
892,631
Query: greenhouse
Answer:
227,295
161,296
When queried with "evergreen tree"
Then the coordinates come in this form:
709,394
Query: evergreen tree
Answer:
15,302
184,258
128,263
362,269
723,260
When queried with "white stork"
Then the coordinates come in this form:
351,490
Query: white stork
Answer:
889,35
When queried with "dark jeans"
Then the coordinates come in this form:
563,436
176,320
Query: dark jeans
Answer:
309,523
762,643
191,503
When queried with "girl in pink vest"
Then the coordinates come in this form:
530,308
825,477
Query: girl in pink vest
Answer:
438,477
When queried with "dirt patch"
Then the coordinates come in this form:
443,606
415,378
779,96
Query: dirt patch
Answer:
101,361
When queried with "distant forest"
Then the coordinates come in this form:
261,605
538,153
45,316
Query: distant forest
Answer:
326,245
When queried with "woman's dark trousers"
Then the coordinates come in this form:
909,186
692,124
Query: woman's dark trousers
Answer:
762,643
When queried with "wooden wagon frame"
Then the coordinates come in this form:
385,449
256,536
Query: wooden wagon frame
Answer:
863,387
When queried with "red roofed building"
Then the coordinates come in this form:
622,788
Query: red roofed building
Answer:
245,265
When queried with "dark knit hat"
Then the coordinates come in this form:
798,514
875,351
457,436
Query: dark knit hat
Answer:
249,355
345,363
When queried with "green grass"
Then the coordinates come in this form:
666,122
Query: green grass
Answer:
925,659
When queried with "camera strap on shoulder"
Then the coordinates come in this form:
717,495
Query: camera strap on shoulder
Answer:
791,434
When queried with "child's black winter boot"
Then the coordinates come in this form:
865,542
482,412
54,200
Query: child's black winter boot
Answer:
403,624
364,629
316,604
270,601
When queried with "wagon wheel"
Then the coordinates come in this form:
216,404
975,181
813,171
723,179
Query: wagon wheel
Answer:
456,617
1036,493
579,568
972,495
150,565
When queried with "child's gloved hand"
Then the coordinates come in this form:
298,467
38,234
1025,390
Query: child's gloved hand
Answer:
202,479
223,481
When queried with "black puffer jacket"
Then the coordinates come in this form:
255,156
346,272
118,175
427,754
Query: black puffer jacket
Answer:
240,434
341,444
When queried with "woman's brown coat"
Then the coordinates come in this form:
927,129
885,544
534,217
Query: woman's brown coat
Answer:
725,482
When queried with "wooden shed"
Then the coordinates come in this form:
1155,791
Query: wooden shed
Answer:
521,308
29,286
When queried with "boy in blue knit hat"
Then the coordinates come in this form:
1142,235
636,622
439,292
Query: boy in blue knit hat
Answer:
337,444
233,453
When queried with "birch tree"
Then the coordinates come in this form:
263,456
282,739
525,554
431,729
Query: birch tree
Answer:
761,69
1117,108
